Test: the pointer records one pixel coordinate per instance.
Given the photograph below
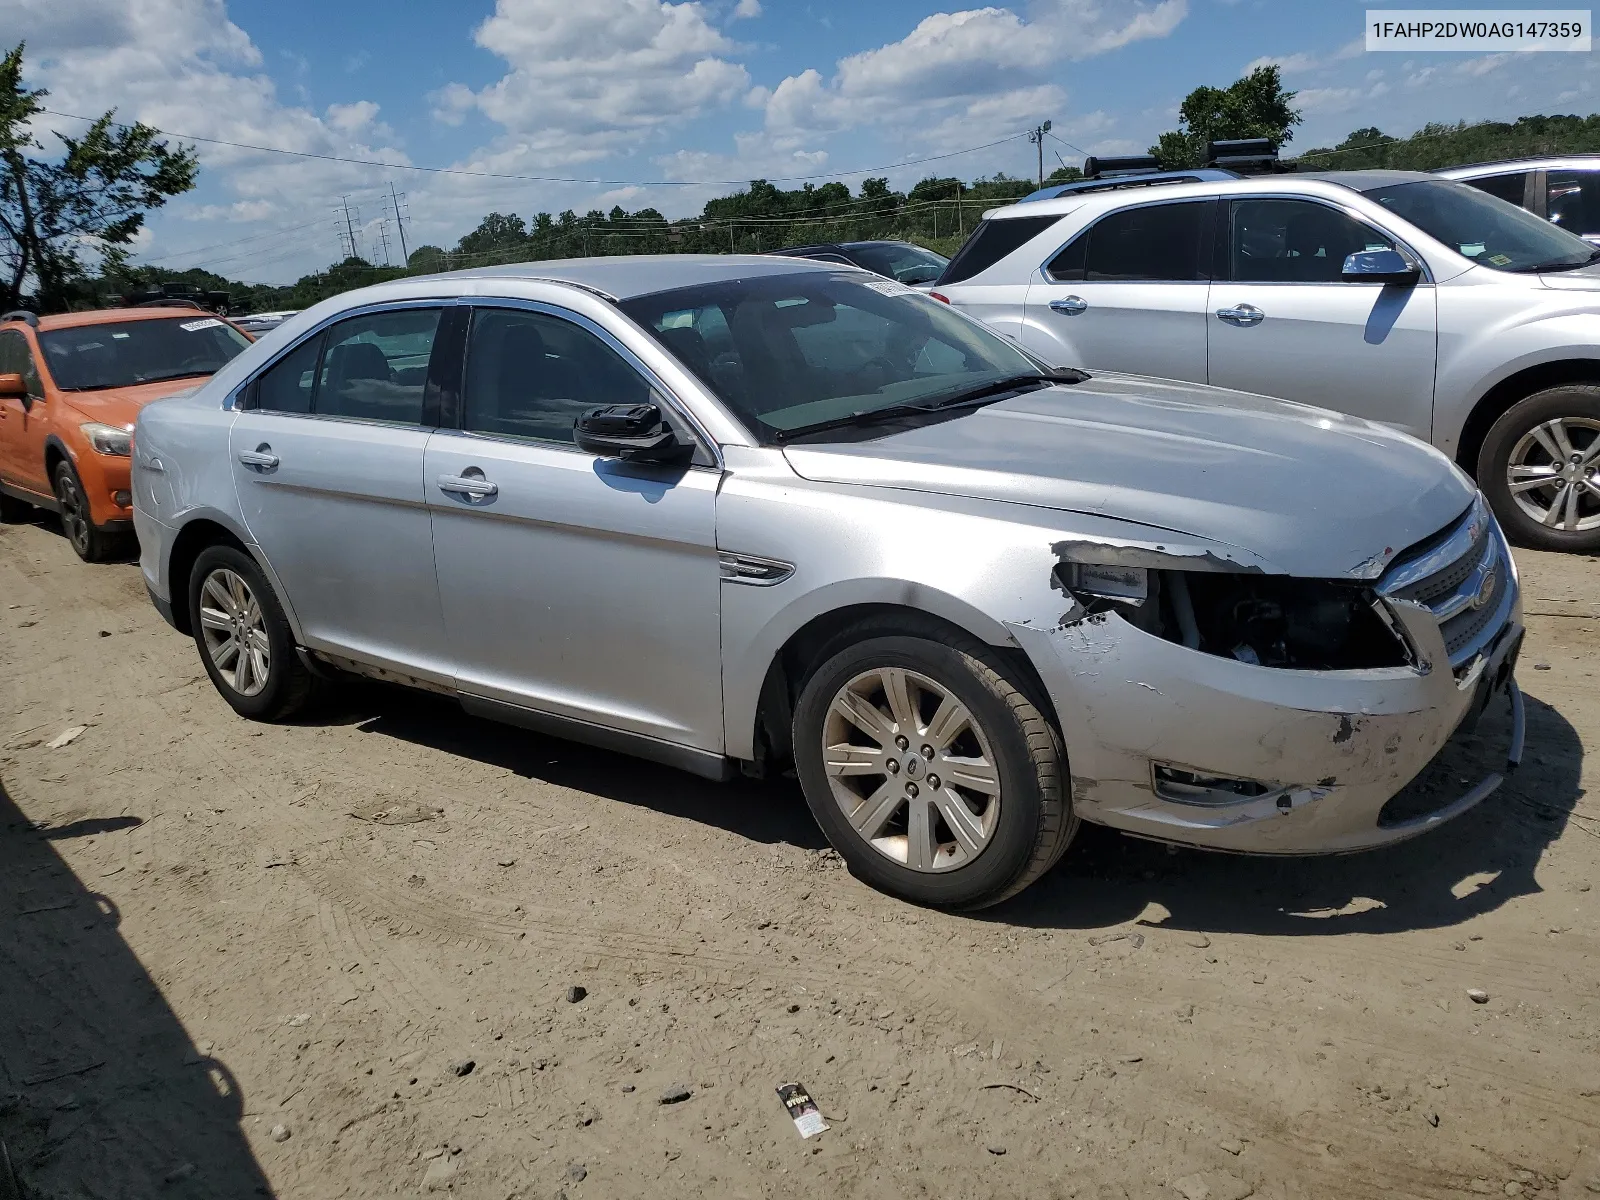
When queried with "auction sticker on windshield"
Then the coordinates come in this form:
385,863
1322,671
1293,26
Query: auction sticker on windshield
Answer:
207,323
1476,30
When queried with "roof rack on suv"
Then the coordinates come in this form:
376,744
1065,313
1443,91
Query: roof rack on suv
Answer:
1095,167
23,315
1242,154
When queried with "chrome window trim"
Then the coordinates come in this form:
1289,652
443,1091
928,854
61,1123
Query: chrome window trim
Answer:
230,402
588,324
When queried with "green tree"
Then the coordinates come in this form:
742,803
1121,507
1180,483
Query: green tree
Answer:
428,260
1255,106
92,202
497,235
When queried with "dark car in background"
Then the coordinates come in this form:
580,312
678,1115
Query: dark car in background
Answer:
1563,189
901,261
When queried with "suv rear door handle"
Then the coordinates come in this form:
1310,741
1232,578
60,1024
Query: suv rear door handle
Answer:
1242,314
261,456
1070,305
468,485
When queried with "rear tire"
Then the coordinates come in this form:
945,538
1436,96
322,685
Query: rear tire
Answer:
244,638
973,806
1552,435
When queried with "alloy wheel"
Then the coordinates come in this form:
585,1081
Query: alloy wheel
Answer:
74,513
1554,474
235,631
911,769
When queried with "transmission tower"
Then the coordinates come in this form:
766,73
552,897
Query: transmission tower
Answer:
383,239
399,208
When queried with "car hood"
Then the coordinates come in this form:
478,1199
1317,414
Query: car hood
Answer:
120,406
1584,279
1300,490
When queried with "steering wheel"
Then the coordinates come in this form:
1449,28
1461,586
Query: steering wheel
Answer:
877,369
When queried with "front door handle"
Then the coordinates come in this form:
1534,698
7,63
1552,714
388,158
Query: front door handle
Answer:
1242,314
262,456
1069,305
468,485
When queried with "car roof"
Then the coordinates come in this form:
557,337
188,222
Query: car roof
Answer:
625,276
1498,164
105,316
1247,185
1109,183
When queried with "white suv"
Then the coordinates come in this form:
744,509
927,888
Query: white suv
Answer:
1414,301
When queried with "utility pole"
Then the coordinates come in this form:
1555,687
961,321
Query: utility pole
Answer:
399,224
383,239
1036,136
961,220
349,227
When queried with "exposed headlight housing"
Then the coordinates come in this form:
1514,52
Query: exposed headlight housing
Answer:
1126,585
113,440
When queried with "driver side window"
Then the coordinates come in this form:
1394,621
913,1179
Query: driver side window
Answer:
1294,241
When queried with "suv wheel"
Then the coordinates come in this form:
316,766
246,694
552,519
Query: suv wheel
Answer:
91,544
244,639
1540,467
929,768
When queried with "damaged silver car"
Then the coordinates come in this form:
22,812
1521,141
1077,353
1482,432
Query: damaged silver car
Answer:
753,514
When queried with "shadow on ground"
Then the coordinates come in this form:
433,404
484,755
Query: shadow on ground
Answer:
101,1092
770,811
1473,865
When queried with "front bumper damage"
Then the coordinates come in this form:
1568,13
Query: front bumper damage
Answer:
1153,730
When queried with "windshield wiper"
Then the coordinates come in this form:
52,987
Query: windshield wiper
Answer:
1558,265
972,397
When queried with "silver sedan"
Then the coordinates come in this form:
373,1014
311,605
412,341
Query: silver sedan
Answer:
742,514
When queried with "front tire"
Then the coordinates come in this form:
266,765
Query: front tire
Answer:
1540,469
77,522
244,638
929,767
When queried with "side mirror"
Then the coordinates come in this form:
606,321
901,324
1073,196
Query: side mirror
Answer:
12,387
1380,266
631,432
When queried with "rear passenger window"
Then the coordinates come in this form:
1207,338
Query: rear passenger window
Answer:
375,367
991,241
287,385
1160,242
1510,187
1067,267
1574,200
532,375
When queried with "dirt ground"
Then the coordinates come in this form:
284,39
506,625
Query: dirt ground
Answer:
210,929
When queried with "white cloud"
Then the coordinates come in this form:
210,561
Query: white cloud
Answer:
352,118
586,79
746,9
963,61
1286,63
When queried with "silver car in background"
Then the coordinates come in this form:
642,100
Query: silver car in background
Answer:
1563,189
1413,301
738,513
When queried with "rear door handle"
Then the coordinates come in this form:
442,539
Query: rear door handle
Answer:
261,456
468,485
1242,314
1069,305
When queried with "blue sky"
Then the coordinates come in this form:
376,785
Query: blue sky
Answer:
642,93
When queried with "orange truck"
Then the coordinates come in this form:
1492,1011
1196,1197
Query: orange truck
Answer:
70,388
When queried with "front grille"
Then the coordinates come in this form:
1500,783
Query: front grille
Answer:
1463,576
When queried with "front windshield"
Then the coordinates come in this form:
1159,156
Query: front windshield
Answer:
908,264
1487,230
87,358
789,351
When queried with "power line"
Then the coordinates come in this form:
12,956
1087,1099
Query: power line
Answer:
392,166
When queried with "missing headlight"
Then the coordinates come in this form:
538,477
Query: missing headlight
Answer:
1279,621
